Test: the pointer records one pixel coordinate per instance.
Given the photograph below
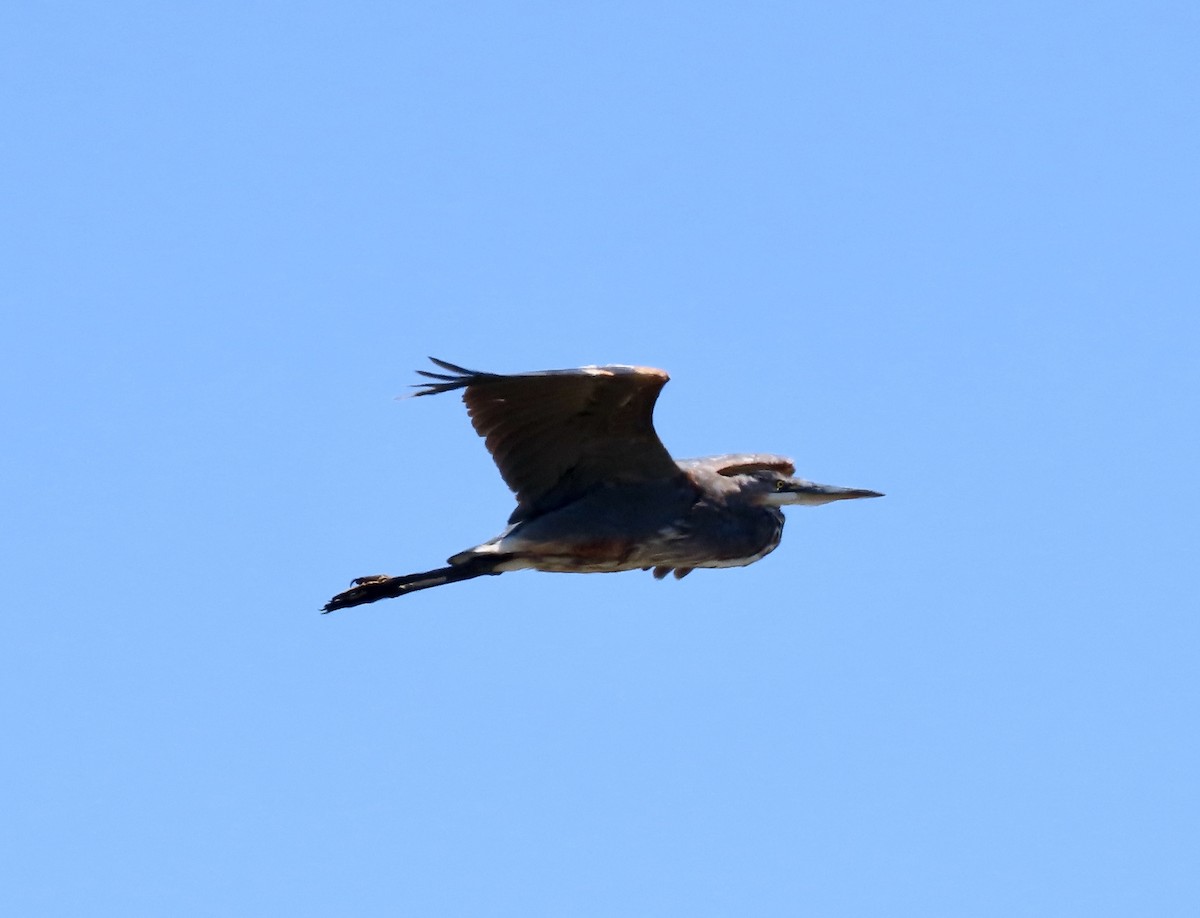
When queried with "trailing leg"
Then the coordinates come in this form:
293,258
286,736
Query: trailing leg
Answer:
381,586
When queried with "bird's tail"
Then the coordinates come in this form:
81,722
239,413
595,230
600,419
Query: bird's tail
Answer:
381,586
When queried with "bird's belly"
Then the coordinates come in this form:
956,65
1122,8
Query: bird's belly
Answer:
598,556
601,536
669,549
589,556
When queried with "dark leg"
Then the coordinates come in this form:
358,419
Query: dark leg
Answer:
381,586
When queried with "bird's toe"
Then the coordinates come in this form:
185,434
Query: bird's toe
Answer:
370,578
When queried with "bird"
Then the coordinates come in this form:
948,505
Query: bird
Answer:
596,490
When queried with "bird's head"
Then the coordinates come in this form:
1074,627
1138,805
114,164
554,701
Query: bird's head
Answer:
774,489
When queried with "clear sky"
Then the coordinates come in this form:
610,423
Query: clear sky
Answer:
948,251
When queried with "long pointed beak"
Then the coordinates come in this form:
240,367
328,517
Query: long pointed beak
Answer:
813,494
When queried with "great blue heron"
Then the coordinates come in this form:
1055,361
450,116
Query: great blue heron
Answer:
596,489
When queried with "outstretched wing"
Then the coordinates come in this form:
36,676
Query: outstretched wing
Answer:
557,434
737,463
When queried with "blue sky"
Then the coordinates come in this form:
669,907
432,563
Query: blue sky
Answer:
946,251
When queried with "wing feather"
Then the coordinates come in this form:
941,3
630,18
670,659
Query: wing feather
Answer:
557,434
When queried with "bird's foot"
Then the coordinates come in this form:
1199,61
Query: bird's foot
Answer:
362,589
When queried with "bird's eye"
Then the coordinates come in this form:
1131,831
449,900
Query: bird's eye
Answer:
780,484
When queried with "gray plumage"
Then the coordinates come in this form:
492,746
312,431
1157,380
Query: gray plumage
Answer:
597,491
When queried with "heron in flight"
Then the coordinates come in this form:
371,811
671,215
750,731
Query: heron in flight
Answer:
596,489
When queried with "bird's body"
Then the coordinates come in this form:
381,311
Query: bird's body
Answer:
687,523
596,490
